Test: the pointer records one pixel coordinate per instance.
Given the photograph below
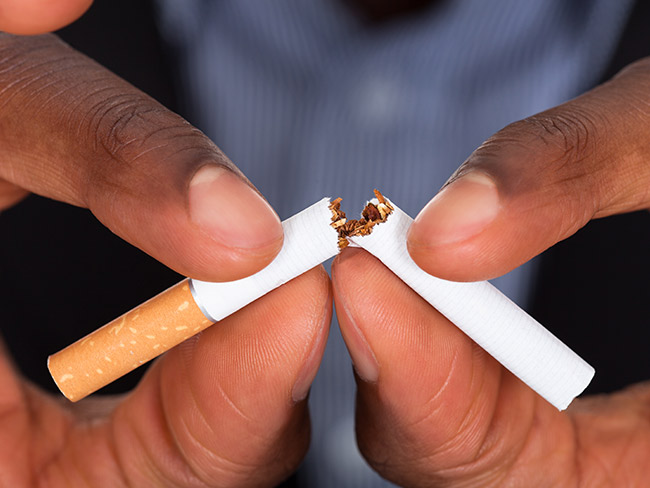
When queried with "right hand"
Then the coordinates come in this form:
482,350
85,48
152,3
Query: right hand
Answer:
227,407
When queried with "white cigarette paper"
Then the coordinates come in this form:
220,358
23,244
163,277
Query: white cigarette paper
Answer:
488,317
309,240
494,322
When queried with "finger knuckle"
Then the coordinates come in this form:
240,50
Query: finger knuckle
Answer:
122,125
559,157
573,162
549,148
567,137
132,137
135,132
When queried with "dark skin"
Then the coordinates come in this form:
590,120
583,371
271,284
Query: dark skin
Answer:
433,409
227,408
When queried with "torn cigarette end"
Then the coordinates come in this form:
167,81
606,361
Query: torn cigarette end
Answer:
370,216
127,342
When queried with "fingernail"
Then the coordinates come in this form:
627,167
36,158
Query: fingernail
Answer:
230,211
459,211
310,366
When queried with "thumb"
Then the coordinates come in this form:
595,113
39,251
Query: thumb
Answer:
539,180
39,16
228,408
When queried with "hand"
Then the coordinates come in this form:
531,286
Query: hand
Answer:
72,131
226,408
433,408
39,16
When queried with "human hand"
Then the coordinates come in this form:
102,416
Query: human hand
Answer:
433,408
39,16
226,408
74,132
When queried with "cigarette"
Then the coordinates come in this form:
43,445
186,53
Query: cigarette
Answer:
312,236
520,343
187,308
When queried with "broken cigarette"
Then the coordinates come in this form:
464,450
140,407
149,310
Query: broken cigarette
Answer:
187,308
311,237
520,343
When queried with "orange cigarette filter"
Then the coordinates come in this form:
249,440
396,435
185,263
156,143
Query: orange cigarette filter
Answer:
127,342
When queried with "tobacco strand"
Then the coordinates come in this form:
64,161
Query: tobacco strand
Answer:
370,216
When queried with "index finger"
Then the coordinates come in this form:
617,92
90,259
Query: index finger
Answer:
538,181
73,131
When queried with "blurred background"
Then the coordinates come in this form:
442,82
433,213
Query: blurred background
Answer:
334,98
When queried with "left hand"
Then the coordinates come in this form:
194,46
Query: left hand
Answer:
433,408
